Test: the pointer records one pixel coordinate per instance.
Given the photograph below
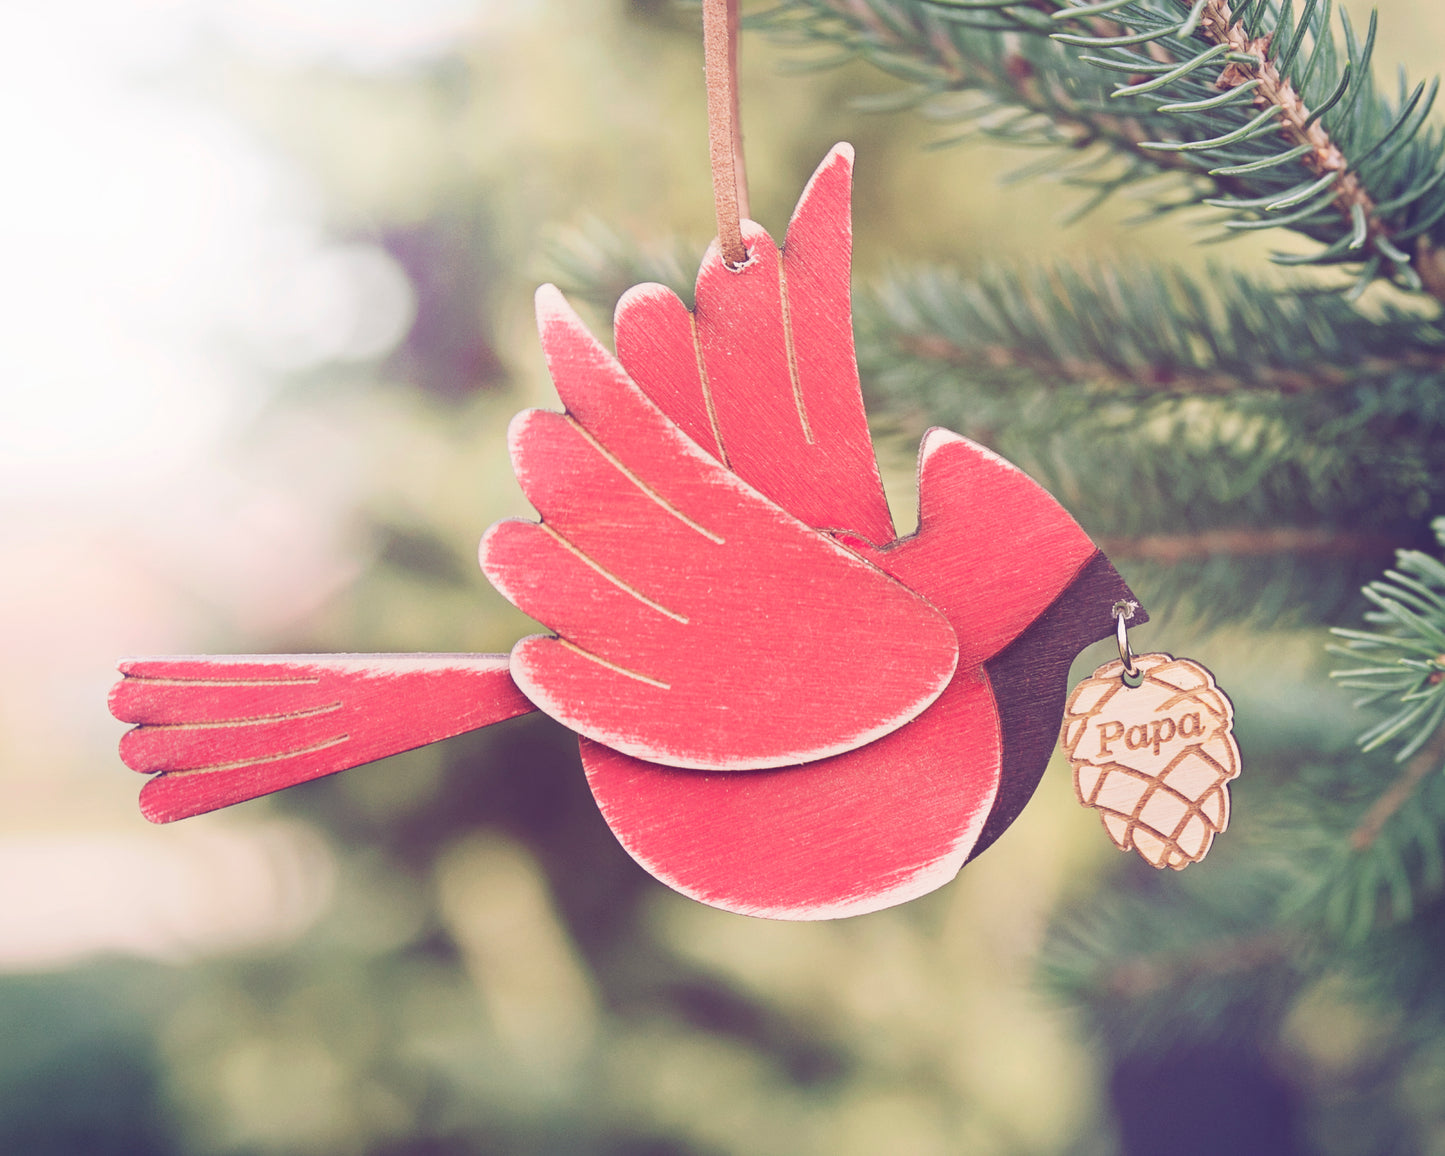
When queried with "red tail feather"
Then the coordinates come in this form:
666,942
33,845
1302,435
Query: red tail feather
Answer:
220,730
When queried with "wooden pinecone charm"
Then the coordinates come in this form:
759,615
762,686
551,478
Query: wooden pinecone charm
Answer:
1155,759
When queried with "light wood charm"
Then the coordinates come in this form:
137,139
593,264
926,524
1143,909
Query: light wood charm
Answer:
1155,760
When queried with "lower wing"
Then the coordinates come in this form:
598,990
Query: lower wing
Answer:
854,833
220,730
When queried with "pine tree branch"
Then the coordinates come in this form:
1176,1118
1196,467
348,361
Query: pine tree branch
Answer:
940,56
1297,124
1310,148
1165,959
1139,333
1429,759
1172,378
1247,542
1152,972
1401,663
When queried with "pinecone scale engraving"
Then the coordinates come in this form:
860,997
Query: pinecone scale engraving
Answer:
1155,760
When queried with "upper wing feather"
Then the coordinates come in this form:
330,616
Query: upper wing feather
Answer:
219,730
698,623
762,373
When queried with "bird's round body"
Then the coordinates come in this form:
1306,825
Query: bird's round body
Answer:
1024,589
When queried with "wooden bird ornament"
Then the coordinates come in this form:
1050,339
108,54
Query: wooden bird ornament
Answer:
785,710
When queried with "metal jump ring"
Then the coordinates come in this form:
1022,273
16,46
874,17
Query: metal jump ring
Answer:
1132,675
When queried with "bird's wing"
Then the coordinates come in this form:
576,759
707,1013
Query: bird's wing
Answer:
761,374
861,831
890,821
698,624
220,730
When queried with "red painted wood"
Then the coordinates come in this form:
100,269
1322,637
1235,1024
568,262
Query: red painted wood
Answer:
856,833
653,332
766,378
993,548
1030,679
700,624
887,822
681,544
220,730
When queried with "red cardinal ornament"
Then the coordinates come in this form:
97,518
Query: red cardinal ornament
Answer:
784,709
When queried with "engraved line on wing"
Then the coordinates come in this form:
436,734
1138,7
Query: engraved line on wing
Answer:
152,681
640,484
792,355
722,452
611,577
239,763
600,661
258,720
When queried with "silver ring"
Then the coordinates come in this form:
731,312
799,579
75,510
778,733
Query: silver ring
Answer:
1132,676
1126,653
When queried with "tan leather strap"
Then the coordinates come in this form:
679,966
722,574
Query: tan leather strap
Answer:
720,20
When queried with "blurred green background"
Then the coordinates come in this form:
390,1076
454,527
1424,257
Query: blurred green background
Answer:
265,314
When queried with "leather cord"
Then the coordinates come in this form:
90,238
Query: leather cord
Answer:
720,23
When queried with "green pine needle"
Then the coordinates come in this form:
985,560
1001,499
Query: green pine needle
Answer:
1408,653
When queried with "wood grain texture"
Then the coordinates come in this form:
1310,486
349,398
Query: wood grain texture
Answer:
222,729
1030,679
763,375
696,622
843,836
784,711
1156,759
895,819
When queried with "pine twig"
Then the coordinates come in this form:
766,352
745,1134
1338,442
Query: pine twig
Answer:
921,48
1361,178
1146,974
1398,793
1248,542
1173,378
1297,124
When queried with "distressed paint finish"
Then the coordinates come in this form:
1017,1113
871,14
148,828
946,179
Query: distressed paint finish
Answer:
762,375
219,730
896,818
695,622
855,833
784,710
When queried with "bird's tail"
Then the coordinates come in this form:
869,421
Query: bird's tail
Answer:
220,730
